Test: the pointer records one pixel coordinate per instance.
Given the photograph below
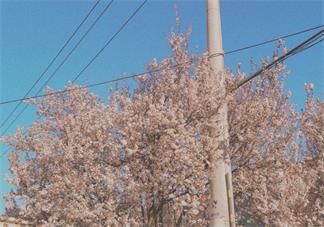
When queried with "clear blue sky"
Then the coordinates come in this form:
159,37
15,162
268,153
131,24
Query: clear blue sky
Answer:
33,31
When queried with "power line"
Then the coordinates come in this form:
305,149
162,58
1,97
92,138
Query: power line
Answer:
96,84
136,75
52,61
105,82
213,55
267,41
61,64
303,46
321,40
90,62
298,49
311,43
112,38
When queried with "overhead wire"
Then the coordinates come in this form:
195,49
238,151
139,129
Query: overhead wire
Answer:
96,84
293,51
309,46
228,52
109,81
93,59
313,43
306,44
267,41
112,38
52,61
310,42
61,64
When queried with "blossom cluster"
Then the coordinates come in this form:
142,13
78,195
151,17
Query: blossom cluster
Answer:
142,159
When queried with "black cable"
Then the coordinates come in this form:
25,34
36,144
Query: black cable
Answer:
96,84
303,46
106,82
266,42
283,57
228,52
92,60
292,52
62,63
310,44
111,39
52,61
123,78
321,40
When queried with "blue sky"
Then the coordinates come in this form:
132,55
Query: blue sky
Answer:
33,31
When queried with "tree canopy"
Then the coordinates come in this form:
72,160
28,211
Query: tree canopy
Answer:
141,159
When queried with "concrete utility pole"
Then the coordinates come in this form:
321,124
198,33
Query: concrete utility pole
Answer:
221,207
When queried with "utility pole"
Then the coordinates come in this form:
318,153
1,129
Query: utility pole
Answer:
221,207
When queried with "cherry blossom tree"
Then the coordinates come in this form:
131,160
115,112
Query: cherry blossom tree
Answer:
312,212
142,158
